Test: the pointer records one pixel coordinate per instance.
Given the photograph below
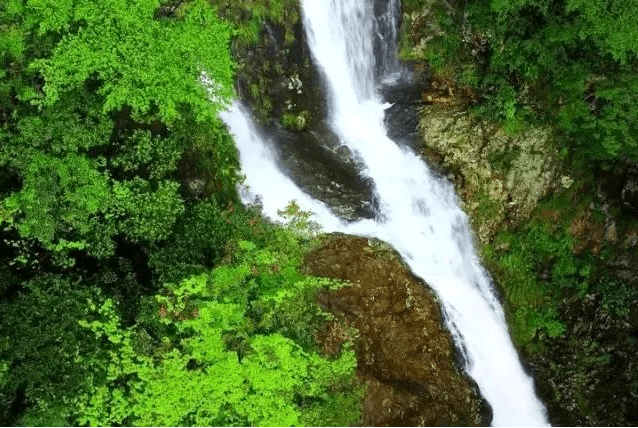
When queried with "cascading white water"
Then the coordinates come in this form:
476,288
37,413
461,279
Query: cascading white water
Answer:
419,214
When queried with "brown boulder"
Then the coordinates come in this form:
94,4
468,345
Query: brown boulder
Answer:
405,355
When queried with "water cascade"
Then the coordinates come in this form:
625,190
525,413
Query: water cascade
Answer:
418,211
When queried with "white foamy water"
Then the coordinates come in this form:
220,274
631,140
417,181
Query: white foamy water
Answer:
419,213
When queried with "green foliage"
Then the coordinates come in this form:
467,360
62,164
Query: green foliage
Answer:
527,322
59,194
536,266
299,220
211,156
143,152
570,63
296,121
239,365
617,297
117,42
112,152
248,15
144,213
612,23
197,243
67,204
43,344
98,108
75,126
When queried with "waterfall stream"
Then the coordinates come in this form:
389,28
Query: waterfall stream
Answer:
418,213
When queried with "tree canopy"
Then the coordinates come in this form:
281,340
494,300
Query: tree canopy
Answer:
134,288
94,100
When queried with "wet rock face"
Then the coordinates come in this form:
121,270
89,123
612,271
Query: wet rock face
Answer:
625,268
402,117
324,169
275,76
619,187
629,193
277,79
405,355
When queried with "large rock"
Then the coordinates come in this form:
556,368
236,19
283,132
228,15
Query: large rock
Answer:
277,79
405,355
404,96
320,166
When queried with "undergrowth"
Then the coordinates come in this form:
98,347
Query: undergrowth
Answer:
549,258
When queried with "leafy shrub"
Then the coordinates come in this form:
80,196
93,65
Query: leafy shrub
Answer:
536,266
617,297
570,63
242,346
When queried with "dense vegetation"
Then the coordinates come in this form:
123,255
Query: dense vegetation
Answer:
570,63
135,289
130,272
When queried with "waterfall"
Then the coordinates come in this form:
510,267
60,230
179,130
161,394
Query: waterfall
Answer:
418,213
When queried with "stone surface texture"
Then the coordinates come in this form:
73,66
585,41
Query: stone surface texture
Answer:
405,355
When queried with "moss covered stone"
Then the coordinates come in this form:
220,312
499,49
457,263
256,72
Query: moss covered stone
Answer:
501,177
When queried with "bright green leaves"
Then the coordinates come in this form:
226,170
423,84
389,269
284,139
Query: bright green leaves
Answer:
176,396
146,213
220,367
59,194
275,371
98,103
49,15
140,61
276,364
606,130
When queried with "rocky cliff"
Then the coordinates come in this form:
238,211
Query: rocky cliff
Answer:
277,79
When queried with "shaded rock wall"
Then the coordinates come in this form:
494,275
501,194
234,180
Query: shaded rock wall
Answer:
405,355
588,377
275,75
